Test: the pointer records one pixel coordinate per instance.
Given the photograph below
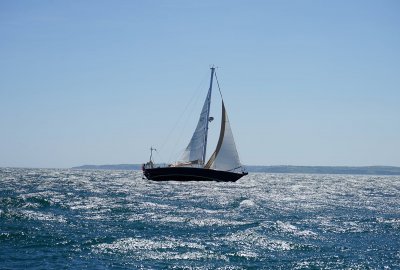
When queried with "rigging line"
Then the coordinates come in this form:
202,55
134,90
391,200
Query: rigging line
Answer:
158,156
192,98
175,155
219,88
180,135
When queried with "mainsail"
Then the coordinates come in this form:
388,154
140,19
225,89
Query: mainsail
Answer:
195,151
225,156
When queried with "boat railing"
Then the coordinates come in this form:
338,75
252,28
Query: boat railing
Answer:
151,165
239,169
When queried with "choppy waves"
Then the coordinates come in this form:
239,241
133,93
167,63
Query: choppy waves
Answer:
115,219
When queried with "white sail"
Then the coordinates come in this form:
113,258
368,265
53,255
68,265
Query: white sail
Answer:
225,156
194,152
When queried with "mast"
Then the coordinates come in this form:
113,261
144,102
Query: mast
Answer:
208,114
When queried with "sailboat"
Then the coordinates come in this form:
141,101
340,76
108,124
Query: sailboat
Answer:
223,165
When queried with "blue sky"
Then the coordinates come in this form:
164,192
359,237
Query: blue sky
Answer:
99,82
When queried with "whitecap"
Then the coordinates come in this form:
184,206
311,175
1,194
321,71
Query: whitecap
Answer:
127,245
41,216
247,203
290,228
214,222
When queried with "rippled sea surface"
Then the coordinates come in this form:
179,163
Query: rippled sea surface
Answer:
58,219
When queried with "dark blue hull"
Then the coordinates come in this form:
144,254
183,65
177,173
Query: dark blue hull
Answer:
190,174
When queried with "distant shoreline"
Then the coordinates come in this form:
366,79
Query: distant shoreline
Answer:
366,170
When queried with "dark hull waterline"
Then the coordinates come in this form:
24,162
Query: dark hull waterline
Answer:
190,174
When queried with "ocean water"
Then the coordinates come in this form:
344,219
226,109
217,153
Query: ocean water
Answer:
71,219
